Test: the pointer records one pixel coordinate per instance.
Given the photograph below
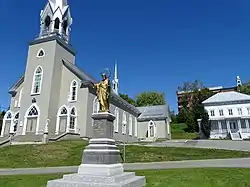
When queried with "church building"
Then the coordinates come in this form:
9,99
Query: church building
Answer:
53,96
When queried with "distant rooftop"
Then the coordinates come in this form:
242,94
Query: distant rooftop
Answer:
153,112
230,96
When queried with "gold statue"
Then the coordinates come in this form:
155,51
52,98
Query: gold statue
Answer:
103,93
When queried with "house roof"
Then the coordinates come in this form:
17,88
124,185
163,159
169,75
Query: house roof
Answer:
154,112
230,96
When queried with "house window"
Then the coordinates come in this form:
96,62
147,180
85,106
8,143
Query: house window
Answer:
37,80
248,111
221,112
239,111
230,112
73,91
212,112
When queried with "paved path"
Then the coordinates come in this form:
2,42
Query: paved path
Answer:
215,163
213,144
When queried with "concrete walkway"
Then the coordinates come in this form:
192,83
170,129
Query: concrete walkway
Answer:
214,163
212,144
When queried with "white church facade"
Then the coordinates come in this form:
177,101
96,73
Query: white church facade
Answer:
54,97
229,113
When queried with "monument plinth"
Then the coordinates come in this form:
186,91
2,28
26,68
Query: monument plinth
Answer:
101,161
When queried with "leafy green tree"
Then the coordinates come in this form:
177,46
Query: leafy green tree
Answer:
190,123
205,124
1,118
127,98
173,117
150,99
245,88
182,115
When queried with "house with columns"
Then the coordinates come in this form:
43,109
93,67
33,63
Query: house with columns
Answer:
229,113
54,95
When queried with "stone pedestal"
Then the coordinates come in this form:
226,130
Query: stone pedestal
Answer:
101,162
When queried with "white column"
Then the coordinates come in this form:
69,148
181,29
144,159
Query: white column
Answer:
247,125
220,127
239,125
228,126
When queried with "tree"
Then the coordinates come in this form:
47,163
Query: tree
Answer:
1,119
150,99
205,124
245,88
190,123
182,115
173,116
127,98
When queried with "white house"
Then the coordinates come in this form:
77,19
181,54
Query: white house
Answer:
229,113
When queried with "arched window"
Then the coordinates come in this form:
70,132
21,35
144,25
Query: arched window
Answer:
57,23
151,129
65,26
96,105
124,123
40,54
116,123
64,111
37,80
73,91
72,122
130,125
47,21
136,127
8,116
33,112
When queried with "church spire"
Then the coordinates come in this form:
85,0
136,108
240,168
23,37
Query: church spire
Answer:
116,80
56,20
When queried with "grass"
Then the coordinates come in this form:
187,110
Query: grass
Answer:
178,132
69,153
207,177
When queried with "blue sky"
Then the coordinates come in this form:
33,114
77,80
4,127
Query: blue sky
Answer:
158,44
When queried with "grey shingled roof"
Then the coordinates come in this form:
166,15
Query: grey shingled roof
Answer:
227,97
154,112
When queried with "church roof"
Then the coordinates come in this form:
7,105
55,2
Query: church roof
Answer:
223,97
157,112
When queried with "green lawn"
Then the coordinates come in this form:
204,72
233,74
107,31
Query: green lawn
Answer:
159,178
69,153
178,132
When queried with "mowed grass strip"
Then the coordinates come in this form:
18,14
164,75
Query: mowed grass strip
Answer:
69,153
207,177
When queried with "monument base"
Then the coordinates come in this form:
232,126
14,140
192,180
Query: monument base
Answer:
101,166
125,179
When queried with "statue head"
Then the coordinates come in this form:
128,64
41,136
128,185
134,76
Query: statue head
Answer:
105,74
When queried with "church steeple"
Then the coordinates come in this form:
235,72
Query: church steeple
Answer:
56,19
116,80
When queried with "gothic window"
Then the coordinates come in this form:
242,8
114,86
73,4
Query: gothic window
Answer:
130,125
116,123
17,116
65,25
9,115
57,23
47,22
136,127
72,122
73,91
124,123
40,53
64,111
33,112
37,80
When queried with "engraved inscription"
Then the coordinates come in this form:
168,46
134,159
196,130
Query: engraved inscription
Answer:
99,130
